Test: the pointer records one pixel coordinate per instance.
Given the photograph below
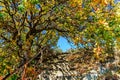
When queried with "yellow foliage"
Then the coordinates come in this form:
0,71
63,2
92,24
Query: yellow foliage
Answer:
103,2
1,50
101,21
75,2
118,39
28,5
13,42
31,37
76,40
97,51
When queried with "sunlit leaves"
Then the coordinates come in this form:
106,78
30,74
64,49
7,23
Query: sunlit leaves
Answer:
28,25
74,3
21,7
102,2
117,8
97,51
34,1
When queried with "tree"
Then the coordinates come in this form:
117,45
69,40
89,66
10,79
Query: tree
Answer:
30,27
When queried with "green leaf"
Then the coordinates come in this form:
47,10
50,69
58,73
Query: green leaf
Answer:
111,23
34,1
21,7
1,15
14,77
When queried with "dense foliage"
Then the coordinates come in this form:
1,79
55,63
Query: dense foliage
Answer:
30,29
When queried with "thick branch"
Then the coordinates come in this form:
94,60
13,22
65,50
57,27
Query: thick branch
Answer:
52,28
21,66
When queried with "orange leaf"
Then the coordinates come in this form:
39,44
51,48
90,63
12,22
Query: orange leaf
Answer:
1,77
104,2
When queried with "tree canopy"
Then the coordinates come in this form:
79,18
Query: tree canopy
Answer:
30,27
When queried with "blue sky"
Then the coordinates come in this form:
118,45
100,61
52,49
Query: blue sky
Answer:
117,1
64,45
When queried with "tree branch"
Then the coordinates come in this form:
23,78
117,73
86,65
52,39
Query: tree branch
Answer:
21,66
